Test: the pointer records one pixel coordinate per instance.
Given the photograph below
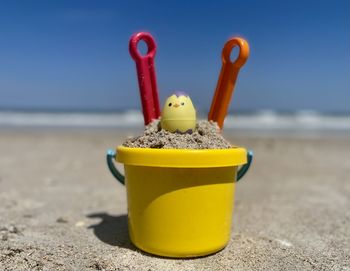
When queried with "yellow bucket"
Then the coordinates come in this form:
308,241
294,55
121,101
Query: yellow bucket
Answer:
180,202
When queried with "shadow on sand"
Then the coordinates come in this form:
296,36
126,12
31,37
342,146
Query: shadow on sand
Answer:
112,230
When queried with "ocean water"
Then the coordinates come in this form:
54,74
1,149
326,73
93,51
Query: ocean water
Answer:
266,120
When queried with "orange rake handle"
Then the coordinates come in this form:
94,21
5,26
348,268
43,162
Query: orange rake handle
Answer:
227,79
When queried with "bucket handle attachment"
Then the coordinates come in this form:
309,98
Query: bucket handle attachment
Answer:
244,169
111,155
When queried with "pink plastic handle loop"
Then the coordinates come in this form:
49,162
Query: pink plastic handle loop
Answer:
151,46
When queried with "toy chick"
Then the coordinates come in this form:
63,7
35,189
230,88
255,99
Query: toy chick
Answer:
178,114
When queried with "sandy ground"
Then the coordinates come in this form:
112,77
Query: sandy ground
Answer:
60,208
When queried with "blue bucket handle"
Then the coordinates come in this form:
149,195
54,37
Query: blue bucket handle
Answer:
111,155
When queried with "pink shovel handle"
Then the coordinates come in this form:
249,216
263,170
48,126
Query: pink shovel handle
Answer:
146,75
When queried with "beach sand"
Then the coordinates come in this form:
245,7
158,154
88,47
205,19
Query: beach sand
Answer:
61,209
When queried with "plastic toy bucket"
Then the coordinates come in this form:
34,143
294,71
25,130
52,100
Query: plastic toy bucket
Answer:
180,202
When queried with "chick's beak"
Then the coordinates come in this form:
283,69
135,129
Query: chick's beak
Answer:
176,105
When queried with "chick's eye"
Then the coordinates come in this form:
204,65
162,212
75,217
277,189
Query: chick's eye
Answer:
170,104
182,103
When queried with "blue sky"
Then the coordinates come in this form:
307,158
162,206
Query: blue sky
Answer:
74,55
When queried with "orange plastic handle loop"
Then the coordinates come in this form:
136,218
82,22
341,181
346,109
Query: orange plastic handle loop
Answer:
227,79
243,52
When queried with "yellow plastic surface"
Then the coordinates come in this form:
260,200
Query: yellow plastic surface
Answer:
184,158
180,211
178,114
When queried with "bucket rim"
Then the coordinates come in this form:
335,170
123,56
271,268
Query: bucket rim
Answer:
182,158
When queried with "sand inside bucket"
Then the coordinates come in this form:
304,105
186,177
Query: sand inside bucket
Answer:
206,136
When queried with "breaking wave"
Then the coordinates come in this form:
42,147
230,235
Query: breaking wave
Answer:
262,120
